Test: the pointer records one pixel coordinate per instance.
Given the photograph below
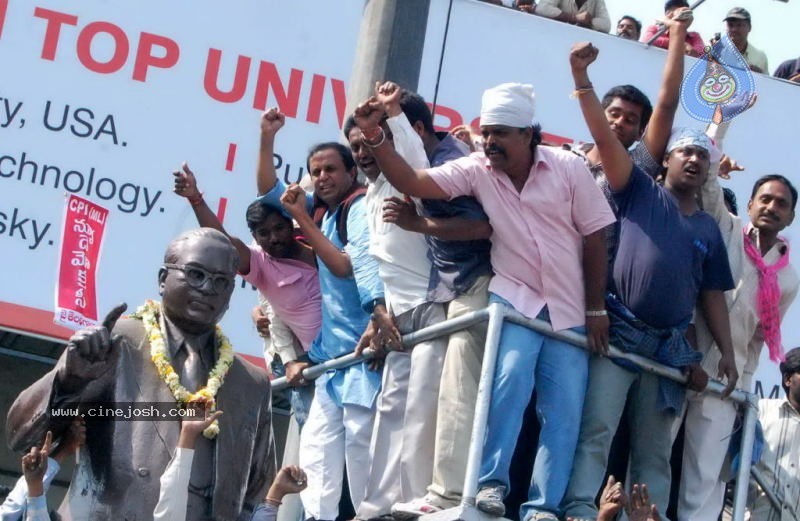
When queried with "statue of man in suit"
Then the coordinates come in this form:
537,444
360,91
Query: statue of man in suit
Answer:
119,468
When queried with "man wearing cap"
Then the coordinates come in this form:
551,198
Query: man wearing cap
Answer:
670,254
739,26
549,259
780,419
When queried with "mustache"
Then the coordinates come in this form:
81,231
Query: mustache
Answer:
493,149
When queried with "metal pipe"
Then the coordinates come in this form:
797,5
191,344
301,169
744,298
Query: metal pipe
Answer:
776,501
497,314
664,27
28,356
446,327
279,384
642,362
745,455
409,339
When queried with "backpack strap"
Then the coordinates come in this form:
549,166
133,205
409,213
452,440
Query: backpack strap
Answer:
320,208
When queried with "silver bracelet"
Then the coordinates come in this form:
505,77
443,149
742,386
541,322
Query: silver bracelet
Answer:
596,313
367,142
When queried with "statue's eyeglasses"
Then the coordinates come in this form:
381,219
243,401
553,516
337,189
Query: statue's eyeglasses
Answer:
197,277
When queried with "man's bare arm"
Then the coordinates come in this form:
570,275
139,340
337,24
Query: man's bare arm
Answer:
595,271
396,170
404,214
718,320
266,177
617,164
186,186
659,129
294,201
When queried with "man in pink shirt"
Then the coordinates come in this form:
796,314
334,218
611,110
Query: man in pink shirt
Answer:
281,267
694,45
549,258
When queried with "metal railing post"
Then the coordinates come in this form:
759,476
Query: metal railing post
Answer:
776,501
745,455
497,313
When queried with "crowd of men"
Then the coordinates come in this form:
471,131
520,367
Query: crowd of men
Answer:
592,14
629,241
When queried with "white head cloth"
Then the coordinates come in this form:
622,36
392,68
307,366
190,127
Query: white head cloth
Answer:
510,104
684,136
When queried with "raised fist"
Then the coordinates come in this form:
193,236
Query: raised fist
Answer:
272,121
582,55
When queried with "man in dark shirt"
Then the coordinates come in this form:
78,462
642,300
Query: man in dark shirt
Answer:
670,254
789,70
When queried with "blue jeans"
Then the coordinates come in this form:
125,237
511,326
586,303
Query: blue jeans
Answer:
560,372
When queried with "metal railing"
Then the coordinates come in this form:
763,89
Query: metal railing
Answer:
496,314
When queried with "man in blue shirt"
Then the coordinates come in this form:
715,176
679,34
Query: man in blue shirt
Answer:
670,254
339,424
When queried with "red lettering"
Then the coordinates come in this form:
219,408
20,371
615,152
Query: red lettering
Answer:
268,77
231,157
121,47
476,123
54,22
339,99
145,57
3,10
211,79
315,98
452,115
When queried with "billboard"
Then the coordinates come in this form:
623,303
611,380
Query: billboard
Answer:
104,99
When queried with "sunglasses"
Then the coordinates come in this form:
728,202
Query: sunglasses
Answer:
197,277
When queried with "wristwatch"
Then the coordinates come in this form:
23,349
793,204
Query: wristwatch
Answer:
375,302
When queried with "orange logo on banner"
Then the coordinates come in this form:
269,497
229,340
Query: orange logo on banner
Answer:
81,238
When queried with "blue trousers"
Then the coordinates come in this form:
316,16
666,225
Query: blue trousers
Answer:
559,372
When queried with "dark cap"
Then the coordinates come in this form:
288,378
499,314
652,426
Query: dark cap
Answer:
791,363
737,13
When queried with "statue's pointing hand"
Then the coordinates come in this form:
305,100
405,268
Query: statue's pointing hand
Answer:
89,352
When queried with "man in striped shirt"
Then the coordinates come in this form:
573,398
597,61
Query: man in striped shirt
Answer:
780,419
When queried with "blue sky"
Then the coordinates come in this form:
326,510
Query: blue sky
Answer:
775,23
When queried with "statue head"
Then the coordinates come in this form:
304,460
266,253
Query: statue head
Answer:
197,279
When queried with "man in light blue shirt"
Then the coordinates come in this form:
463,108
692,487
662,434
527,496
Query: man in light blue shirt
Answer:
334,223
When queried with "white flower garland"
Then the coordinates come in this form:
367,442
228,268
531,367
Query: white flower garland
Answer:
149,313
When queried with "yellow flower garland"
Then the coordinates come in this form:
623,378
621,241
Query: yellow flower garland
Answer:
149,313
